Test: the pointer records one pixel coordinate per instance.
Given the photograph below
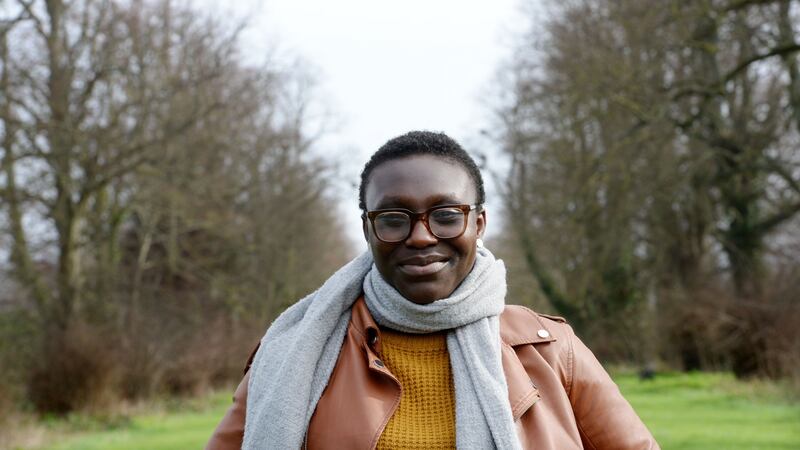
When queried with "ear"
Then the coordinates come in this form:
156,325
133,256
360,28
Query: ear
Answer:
480,221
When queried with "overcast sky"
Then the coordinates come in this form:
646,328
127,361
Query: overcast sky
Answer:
384,68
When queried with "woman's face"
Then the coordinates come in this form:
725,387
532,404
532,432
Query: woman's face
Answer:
423,268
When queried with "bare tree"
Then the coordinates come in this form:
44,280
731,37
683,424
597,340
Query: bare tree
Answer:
650,151
87,107
154,187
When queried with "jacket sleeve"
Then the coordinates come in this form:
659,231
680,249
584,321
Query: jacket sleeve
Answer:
605,419
230,431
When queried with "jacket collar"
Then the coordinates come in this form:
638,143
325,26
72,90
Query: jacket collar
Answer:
367,333
515,329
519,325
515,326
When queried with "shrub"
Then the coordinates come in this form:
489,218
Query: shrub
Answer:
74,371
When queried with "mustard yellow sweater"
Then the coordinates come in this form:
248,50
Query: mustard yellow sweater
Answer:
425,418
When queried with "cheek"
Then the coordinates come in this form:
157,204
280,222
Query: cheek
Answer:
466,254
381,253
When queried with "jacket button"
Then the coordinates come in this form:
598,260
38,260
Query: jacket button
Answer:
543,333
378,363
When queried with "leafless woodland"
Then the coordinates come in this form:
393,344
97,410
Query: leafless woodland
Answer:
160,200
654,188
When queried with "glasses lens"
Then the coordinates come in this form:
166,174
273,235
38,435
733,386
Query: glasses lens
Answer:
446,222
392,226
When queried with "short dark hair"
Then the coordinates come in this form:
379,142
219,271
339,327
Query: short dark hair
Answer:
421,143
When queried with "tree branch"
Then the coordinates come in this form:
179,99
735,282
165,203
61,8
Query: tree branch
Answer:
742,66
737,5
784,214
37,22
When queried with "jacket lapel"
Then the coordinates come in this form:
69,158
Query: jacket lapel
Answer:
516,329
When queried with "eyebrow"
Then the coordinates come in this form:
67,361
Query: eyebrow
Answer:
400,201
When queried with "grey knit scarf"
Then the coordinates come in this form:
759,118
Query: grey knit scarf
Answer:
300,349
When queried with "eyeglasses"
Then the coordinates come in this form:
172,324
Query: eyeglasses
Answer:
444,222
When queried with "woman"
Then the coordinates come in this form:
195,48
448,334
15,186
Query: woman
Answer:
410,345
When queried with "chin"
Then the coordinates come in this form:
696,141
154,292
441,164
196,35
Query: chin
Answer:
424,300
422,294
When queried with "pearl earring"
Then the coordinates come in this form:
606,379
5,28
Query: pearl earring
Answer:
479,241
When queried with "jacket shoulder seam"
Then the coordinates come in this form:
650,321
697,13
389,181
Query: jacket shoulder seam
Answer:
557,329
558,319
537,315
570,364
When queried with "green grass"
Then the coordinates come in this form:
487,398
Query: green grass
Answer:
181,426
684,411
714,411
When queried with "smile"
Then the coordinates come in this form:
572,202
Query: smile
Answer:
422,268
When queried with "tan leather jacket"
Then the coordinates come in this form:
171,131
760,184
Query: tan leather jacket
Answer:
560,395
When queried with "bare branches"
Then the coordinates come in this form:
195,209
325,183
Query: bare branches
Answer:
165,178
744,65
122,100
8,24
27,8
783,214
738,5
20,253
643,151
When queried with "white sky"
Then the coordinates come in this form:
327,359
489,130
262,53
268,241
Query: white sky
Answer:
385,68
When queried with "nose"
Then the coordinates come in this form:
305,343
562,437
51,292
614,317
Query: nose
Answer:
420,236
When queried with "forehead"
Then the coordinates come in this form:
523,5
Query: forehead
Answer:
417,182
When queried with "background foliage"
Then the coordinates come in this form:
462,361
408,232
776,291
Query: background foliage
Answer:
161,200
654,186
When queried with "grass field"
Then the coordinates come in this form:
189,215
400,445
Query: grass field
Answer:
184,425
714,411
684,411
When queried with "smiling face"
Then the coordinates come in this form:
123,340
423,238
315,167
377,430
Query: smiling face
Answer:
423,268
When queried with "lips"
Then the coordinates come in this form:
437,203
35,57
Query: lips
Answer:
423,265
